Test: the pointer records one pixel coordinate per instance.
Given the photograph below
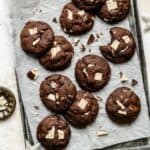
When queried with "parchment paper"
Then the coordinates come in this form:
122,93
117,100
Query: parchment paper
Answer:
82,139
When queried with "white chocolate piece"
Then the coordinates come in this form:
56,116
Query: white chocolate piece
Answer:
83,103
124,78
85,72
55,50
126,39
61,134
115,44
51,97
111,4
91,65
81,12
70,14
35,72
53,84
120,104
98,76
102,133
2,108
36,42
33,31
122,112
3,101
51,133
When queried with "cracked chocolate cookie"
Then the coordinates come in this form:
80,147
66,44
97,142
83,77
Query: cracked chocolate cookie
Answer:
7,103
75,21
88,5
53,133
59,56
57,92
122,46
113,11
84,109
36,37
123,105
92,72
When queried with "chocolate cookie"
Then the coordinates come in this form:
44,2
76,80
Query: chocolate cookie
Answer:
113,11
92,72
123,105
59,56
57,92
88,5
122,46
75,21
84,109
36,37
53,133
7,103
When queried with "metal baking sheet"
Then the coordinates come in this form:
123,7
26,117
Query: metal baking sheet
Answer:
46,10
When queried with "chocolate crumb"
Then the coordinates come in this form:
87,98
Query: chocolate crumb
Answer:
91,39
32,74
76,43
90,50
83,48
55,20
36,107
97,35
134,82
123,77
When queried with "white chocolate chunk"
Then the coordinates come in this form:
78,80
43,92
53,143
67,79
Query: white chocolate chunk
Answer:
3,101
98,76
85,72
83,103
61,135
91,65
122,112
126,39
35,73
111,4
57,96
33,31
124,78
51,133
55,50
53,84
81,12
120,104
2,108
70,14
102,133
36,41
51,97
115,44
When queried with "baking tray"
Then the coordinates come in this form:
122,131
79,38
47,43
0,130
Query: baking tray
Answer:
37,7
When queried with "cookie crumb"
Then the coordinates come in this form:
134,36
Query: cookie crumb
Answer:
55,20
36,107
134,82
91,39
76,42
83,48
33,74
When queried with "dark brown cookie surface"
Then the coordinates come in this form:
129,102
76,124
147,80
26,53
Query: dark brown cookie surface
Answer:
53,133
7,103
36,37
113,11
88,4
57,92
59,55
75,21
92,72
122,46
123,105
84,109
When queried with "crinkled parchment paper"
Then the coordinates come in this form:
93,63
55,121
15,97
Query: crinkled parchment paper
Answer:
82,139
